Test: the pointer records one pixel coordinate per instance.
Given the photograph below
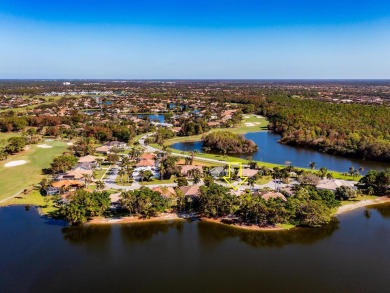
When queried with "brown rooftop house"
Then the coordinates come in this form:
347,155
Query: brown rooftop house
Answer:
103,149
270,194
74,175
87,159
147,156
246,172
165,191
67,184
190,191
186,168
146,163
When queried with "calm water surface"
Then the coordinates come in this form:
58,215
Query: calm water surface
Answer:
40,255
272,151
153,117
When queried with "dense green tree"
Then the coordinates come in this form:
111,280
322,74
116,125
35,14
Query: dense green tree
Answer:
216,201
144,202
63,163
15,145
378,182
82,205
345,193
228,143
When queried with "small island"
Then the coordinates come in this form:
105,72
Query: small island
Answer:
228,143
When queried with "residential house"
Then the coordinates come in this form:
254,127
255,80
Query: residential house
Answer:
67,184
148,156
267,195
88,160
146,163
246,172
333,184
217,172
167,192
103,149
117,144
190,191
187,168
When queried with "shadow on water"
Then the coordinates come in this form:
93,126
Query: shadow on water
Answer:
212,232
141,232
88,233
383,210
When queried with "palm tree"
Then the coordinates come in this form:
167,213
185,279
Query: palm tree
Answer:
313,165
125,161
129,175
141,175
193,153
322,172
187,161
121,173
351,170
100,184
87,179
99,162
355,174
162,171
251,182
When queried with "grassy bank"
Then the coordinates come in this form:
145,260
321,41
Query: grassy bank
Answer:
7,135
34,198
14,179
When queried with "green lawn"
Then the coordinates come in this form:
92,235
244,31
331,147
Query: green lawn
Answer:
357,199
45,203
98,174
7,135
157,181
123,181
14,179
263,180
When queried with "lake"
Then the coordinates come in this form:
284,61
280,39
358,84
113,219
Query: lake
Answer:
272,151
153,117
42,255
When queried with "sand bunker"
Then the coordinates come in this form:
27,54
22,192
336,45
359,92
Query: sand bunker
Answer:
249,124
15,163
69,143
44,146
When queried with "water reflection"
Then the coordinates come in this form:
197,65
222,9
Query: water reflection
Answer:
383,210
142,232
212,232
88,233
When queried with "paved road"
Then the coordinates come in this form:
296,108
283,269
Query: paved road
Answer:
151,149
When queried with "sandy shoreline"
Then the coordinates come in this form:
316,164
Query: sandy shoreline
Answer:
363,203
174,217
135,219
250,227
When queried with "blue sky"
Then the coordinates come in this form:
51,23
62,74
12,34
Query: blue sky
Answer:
194,39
